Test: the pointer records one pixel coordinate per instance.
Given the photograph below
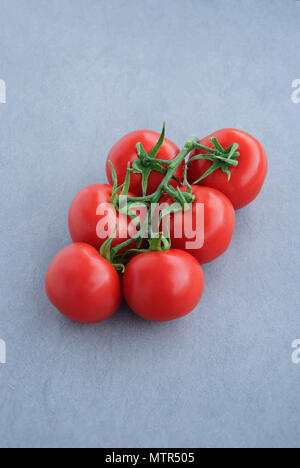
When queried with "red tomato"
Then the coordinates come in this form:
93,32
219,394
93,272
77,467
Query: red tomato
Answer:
86,224
124,152
215,229
163,286
246,179
82,285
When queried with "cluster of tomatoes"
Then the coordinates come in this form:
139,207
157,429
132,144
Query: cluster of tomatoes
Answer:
224,171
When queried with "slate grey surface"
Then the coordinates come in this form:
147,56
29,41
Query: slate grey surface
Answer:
79,75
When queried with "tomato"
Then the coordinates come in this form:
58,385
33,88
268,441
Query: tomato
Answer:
163,286
87,219
124,152
82,285
246,179
215,230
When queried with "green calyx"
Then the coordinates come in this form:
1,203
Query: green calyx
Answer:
223,159
148,162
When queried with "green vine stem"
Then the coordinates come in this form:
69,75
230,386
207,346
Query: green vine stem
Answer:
221,158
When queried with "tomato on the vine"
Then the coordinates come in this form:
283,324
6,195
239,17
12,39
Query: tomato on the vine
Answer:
247,177
226,171
82,285
125,151
215,229
93,218
162,286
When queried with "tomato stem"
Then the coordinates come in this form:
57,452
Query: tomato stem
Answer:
220,157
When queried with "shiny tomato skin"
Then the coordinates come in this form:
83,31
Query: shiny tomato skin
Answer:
163,286
82,285
219,224
247,178
124,152
83,217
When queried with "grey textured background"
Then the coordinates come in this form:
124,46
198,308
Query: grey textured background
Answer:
79,75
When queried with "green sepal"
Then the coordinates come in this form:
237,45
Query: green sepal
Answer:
114,174
106,252
145,177
116,189
137,167
144,166
231,150
153,153
216,158
119,267
141,151
126,185
212,169
217,145
227,171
